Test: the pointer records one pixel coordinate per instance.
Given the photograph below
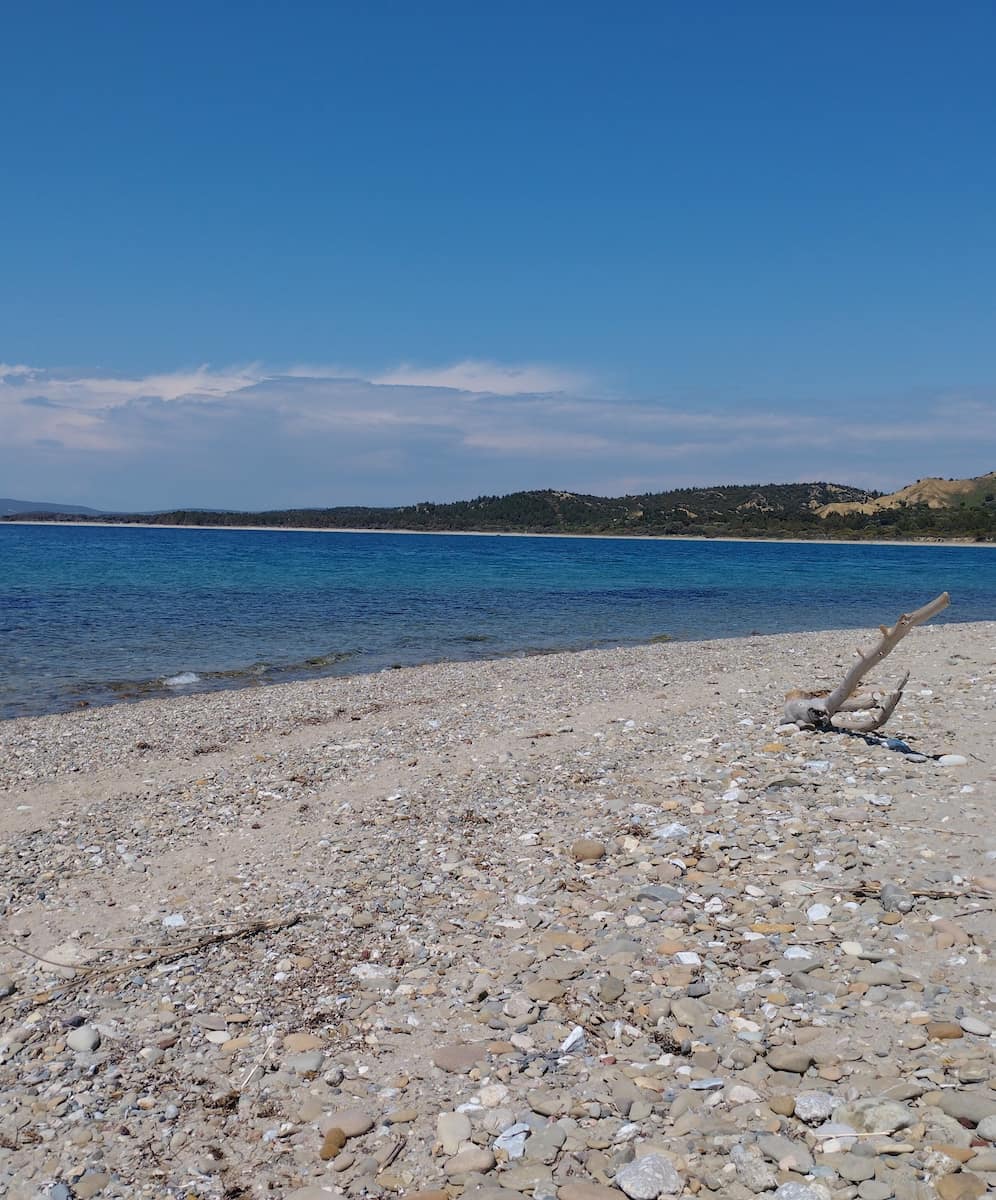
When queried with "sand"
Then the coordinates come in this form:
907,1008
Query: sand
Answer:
581,893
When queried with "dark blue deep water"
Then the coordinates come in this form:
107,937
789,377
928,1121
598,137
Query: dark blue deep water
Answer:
99,614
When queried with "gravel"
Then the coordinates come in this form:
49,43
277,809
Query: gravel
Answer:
577,927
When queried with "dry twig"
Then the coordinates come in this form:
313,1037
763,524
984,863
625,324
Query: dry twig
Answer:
152,956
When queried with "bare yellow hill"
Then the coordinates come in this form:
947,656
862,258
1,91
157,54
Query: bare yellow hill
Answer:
935,493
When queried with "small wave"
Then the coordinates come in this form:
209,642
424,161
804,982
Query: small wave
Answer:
184,679
328,660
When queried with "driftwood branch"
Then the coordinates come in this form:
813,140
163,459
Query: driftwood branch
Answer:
150,956
822,710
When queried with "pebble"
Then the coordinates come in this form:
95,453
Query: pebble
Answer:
474,1159
969,1106
587,1191
352,1122
648,1177
84,1039
794,1059
332,1143
452,1128
753,971
459,1059
587,850
802,1191
814,1107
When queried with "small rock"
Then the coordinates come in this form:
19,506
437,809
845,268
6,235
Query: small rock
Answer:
854,1167
299,1042
84,1039
473,1159
333,1142
91,1184
459,1059
814,1107
587,1191
895,899
874,1189
587,850
452,1128
309,1063
943,1030
752,1171
352,1121
873,1115
987,1128
789,1154
972,1107
962,1186
795,1059
648,1177
802,1191
660,894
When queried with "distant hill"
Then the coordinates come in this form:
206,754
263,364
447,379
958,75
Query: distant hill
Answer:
934,493
9,508
774,510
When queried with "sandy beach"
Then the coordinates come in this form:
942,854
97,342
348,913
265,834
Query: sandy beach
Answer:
583,926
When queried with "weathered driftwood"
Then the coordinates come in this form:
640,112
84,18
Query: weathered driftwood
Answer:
829,710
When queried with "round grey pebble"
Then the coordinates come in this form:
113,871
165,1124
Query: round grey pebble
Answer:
84,1039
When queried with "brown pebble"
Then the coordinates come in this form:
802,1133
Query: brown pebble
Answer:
943,1030
959,1153
587,850
300,1043
587,1191
962,1186
334,1141
783,1105
402,1116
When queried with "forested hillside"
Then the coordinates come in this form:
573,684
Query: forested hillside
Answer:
807,510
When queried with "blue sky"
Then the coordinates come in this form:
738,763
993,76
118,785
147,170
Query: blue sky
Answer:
258,254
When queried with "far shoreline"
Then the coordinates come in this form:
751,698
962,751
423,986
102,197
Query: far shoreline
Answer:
947,543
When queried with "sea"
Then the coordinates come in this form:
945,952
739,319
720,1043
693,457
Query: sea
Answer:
94,615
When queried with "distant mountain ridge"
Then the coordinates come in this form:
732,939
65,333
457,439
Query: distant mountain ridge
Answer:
931,509
10,508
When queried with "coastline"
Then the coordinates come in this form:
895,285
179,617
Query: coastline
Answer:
383,900
948,543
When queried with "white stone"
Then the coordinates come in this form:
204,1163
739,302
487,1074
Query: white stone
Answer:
648,1177
452,1129
84,1039
813,1107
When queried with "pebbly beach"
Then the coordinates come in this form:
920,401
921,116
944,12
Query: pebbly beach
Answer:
581,925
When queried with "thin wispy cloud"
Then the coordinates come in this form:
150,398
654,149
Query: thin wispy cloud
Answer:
484,377
249,436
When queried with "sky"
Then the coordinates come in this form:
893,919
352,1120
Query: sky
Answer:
257,255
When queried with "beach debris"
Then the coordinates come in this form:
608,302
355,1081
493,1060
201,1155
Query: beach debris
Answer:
871,710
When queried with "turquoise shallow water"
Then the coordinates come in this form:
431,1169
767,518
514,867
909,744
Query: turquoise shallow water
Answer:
101,614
